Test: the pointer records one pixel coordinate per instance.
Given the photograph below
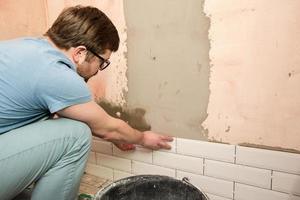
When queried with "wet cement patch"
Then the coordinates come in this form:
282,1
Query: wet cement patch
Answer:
135,117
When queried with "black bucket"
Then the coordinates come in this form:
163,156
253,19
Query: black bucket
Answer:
150,187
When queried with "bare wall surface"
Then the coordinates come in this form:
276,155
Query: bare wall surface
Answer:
254,81
19,18
168,64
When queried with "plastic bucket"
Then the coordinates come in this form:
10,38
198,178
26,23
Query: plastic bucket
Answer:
150,187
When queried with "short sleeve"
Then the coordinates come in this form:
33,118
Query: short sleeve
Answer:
61,87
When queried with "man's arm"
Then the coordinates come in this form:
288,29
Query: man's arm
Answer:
113,129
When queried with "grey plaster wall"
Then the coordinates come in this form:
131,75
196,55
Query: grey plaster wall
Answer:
168,64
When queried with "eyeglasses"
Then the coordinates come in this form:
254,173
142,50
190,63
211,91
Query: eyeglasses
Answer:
104,62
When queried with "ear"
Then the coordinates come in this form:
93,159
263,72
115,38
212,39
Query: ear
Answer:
79,54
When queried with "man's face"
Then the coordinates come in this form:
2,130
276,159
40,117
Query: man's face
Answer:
87,69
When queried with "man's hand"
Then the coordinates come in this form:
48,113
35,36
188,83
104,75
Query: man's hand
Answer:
125,147
156,141
151,140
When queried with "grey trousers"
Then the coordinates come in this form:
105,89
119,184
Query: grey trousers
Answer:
51,154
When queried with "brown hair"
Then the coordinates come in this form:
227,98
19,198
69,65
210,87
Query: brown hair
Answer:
86,26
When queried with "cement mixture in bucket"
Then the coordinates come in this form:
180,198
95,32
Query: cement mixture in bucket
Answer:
150,187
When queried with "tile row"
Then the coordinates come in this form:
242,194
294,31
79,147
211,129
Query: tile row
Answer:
165,163
259,158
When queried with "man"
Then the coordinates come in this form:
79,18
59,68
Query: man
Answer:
45,76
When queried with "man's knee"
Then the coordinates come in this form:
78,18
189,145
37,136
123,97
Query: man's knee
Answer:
86,134
80,130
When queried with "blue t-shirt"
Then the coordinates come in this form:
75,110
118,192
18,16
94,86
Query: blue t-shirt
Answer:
35,80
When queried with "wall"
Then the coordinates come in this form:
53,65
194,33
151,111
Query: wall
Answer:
19,21
251,97
219,71
246,94
254,79
168,64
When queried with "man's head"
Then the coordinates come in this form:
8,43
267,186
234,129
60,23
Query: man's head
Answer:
89,33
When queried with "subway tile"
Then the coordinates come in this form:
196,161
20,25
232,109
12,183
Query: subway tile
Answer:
215,197
209,185
101,146
139,168
246,192
214,151
176,161
276,160
284,182
99,171
238,173
140,154
120,174
92,158
114,162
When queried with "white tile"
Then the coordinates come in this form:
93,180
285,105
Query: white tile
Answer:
214,151
276,160
140,154
176,161
284,182
100,146
173,146
214,197
99,171
114,162
139,168
92,158
119,175
245,192
238,173
208,184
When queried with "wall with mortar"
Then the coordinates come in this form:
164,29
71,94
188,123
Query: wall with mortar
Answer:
168,64
247,94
